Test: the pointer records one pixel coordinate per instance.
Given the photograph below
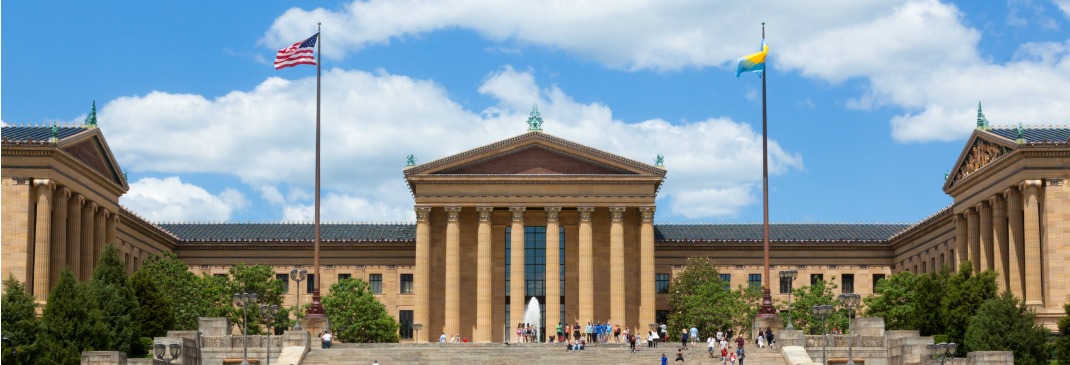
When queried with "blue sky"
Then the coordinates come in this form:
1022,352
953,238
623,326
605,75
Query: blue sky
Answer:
869,102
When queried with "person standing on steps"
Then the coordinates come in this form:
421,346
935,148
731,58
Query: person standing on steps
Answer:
679,356
740,341
693,336
740,354
664,360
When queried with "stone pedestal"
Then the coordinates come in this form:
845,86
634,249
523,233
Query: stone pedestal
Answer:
785,338
764,322
315,324
191,352
103,358
868,326
296,338
990,358
213,326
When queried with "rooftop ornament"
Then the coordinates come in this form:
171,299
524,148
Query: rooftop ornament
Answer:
535,120
982,122
410,160
91,119
1021,133
55,134
659,160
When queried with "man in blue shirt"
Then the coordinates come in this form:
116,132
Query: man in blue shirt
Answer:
694,336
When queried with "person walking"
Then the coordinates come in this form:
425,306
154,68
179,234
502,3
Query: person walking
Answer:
740,354
694,336
769,337
740,341
710,344
683,338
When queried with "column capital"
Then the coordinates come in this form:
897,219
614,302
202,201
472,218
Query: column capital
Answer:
552,213
423,214
452,214
616,214
585,213
92,206
518,214
114,218
44,183
484,213
104,212
64,191
1010,190
79,198
981,205
647,214
1030,184
996,198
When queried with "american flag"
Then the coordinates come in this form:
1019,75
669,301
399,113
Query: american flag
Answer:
299,53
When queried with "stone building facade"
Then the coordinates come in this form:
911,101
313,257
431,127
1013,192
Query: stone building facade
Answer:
490,220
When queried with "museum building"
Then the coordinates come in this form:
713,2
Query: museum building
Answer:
537,217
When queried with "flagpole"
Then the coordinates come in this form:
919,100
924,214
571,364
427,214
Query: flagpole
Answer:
316,309
767,300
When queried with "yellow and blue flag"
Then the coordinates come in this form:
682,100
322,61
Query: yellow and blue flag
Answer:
753,62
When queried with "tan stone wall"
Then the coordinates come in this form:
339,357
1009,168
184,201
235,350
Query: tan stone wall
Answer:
17,228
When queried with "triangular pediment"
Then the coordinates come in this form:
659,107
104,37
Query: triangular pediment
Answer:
982,149
91,150
535,159
534,154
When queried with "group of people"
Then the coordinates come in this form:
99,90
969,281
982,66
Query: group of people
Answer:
765,338
593,332
454,339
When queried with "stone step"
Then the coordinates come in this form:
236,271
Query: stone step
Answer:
525,354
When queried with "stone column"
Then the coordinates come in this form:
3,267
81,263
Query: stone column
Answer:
42,239
985,212
59,235
422,278
74,234
1031,227
1015,242
973,234
453,271
962,251
999,239
553,270
110,229
585,270
616,265
647,306
88,224
98,233
516,271
484,281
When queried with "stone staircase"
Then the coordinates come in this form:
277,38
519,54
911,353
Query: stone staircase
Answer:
520,354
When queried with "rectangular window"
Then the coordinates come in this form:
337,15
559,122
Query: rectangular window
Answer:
310,283
285,279
814,278
785,285
344,276
405,320
661,283
923,268
406,283
952,256
848,283
376,283
877,278
932,264
220,275
754,280
727,279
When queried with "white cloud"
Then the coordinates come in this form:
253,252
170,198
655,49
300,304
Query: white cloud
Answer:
171,200
370,122
914,55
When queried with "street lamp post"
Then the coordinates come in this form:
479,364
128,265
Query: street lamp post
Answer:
823,311
244,300
789,275
161,352
942,351
269,314
417,327
298,276
850,301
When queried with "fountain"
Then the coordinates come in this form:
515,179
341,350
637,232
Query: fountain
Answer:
533,316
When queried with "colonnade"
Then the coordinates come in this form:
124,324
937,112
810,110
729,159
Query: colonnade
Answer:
484,305
69,230
1002,233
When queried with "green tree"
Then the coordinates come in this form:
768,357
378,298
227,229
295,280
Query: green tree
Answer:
1062,345
117,303
192,296
964,294
71,323
19,321
355,314
259,279
1004,323
697,297
820,293
155,313
909,301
